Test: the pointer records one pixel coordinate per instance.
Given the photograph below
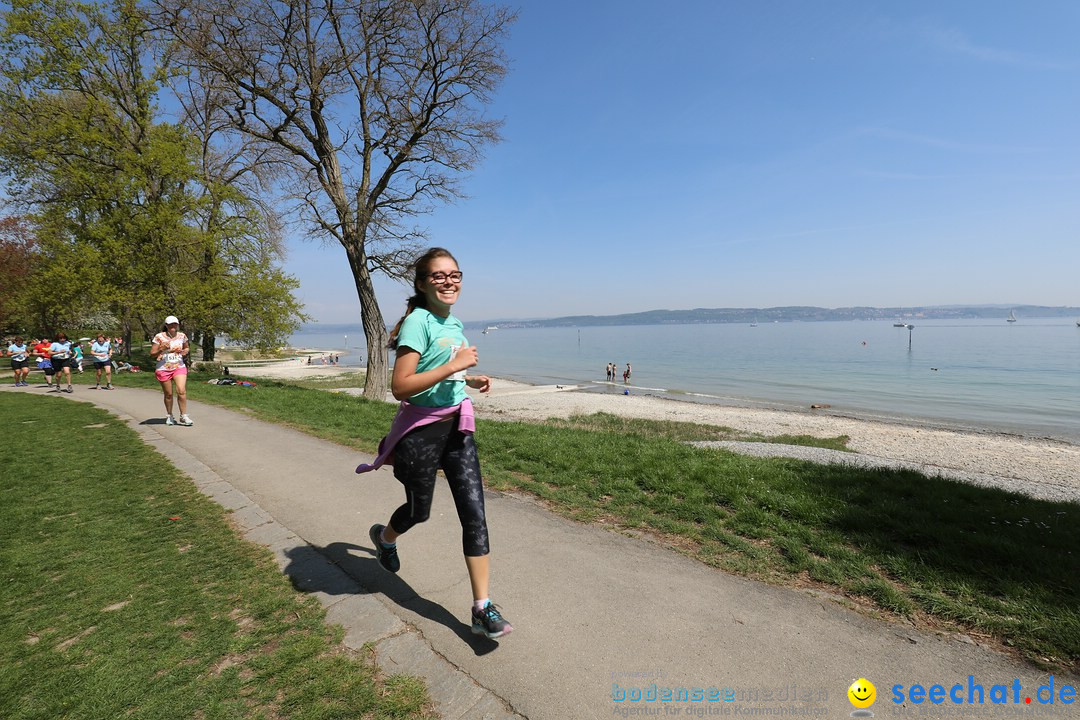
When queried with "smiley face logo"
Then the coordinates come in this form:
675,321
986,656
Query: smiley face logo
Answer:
862,693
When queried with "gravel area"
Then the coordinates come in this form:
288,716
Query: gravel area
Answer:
1042,490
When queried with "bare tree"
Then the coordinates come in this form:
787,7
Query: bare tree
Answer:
374,108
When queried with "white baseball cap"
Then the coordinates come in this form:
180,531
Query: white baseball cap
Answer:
171,319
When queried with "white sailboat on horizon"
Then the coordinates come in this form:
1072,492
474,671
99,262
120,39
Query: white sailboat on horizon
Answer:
1012,317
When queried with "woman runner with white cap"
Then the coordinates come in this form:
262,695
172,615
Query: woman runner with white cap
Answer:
169,349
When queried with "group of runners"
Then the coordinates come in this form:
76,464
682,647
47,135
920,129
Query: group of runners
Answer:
57,357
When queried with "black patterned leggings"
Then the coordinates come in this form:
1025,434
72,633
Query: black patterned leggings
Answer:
417,457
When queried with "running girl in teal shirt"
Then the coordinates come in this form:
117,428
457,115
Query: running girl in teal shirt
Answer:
433,428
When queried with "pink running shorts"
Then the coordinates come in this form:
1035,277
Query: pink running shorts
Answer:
164,375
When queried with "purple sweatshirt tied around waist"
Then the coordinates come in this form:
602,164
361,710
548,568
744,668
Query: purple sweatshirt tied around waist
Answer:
408,418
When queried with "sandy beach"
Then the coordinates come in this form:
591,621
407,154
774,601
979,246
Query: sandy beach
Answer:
1018,462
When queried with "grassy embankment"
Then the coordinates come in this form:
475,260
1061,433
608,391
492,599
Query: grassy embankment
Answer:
127,593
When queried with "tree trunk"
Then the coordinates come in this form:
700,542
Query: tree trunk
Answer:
376,384
209,349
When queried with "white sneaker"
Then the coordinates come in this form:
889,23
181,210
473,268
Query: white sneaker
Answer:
185,420
170,421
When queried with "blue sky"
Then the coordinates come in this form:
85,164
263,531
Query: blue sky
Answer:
714,153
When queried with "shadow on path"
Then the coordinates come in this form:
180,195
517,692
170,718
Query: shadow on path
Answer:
309,572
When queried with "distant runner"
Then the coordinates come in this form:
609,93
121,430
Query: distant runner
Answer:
61,357
101,351
20,361
44,362
170,348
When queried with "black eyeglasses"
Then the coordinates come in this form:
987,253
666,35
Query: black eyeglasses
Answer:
440,277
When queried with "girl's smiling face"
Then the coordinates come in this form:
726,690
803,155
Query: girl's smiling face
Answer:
440,295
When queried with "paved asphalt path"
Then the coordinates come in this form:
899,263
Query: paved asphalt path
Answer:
598,615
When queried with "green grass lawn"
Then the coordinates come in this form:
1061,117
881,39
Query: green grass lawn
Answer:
127,594
998,565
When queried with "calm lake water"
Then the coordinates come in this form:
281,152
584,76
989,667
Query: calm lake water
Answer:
1019,377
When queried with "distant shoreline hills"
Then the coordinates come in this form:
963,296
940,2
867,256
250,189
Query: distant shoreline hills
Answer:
795,313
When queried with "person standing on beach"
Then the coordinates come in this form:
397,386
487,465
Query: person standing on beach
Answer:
169,348
101,350
608,372
20,361
434,428
626,374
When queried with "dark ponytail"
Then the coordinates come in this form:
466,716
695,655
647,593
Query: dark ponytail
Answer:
416,301
419,299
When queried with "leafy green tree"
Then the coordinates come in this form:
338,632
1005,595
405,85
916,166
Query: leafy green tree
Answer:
59,293
371,108
240,278
117,192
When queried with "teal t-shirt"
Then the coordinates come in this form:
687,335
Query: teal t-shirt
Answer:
437,340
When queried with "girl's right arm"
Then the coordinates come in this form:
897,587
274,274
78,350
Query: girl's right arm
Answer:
406,382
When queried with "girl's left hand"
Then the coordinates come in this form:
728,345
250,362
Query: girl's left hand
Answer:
478,382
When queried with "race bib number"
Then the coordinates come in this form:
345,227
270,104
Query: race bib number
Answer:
460,374
173,360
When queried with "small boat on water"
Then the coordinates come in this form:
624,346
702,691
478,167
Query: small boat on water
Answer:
489,328
1012,317
899,323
